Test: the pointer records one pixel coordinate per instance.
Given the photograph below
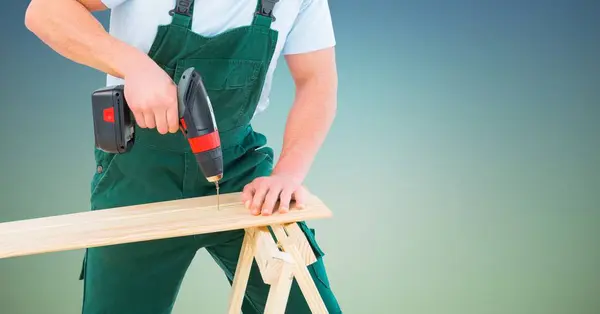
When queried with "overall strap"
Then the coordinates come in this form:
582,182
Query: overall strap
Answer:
263,15
182,13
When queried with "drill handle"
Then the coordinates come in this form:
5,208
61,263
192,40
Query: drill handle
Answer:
195,108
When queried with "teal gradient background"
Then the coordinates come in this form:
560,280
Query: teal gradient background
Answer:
463,168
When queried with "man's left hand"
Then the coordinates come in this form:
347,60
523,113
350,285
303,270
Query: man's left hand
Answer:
261,195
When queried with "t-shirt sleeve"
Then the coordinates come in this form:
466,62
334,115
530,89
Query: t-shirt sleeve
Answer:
112,3
312,30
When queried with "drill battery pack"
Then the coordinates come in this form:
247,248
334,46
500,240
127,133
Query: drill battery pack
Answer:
113,123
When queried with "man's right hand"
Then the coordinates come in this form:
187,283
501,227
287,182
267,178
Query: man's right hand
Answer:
152,96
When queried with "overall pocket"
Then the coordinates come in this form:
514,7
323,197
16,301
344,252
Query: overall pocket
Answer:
104,163
317,269
230,84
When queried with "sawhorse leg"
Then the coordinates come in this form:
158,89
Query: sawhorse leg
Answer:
278,265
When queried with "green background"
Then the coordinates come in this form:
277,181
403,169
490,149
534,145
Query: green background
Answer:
463,168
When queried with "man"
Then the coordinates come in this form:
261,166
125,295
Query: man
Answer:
235,45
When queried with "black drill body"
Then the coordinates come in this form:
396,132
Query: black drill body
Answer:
199,125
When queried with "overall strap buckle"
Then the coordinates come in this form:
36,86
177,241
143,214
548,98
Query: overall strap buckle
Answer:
182,7
266,9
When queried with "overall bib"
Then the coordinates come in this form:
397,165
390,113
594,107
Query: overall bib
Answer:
145,277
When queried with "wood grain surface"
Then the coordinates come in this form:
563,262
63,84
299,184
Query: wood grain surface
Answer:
140,223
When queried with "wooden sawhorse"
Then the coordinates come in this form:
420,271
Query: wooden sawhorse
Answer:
279,262
278,265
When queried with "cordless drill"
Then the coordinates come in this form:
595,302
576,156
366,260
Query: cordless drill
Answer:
114,129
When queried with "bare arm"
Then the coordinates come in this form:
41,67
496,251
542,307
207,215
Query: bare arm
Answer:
69,28
312,113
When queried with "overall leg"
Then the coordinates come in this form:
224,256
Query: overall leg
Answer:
142,277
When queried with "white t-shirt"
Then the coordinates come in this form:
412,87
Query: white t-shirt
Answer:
303,25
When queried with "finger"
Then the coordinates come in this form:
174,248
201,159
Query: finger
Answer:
160,117
173,118
258,198
247,194
300,197
285,197
139,118
270,200
149,119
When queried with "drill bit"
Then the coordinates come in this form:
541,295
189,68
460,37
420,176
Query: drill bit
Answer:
218,200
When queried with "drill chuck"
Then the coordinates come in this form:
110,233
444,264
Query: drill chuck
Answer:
211,164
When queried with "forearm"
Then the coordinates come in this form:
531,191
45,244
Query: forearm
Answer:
307,126
69,28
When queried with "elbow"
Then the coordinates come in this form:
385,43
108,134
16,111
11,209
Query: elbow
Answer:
319,92
334,96
328,91
332,110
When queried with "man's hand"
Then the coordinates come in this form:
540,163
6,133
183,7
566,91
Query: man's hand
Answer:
262,194
152,96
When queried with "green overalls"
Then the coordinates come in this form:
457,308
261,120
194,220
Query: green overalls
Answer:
144,277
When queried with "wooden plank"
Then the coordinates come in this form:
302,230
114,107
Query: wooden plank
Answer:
140,223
